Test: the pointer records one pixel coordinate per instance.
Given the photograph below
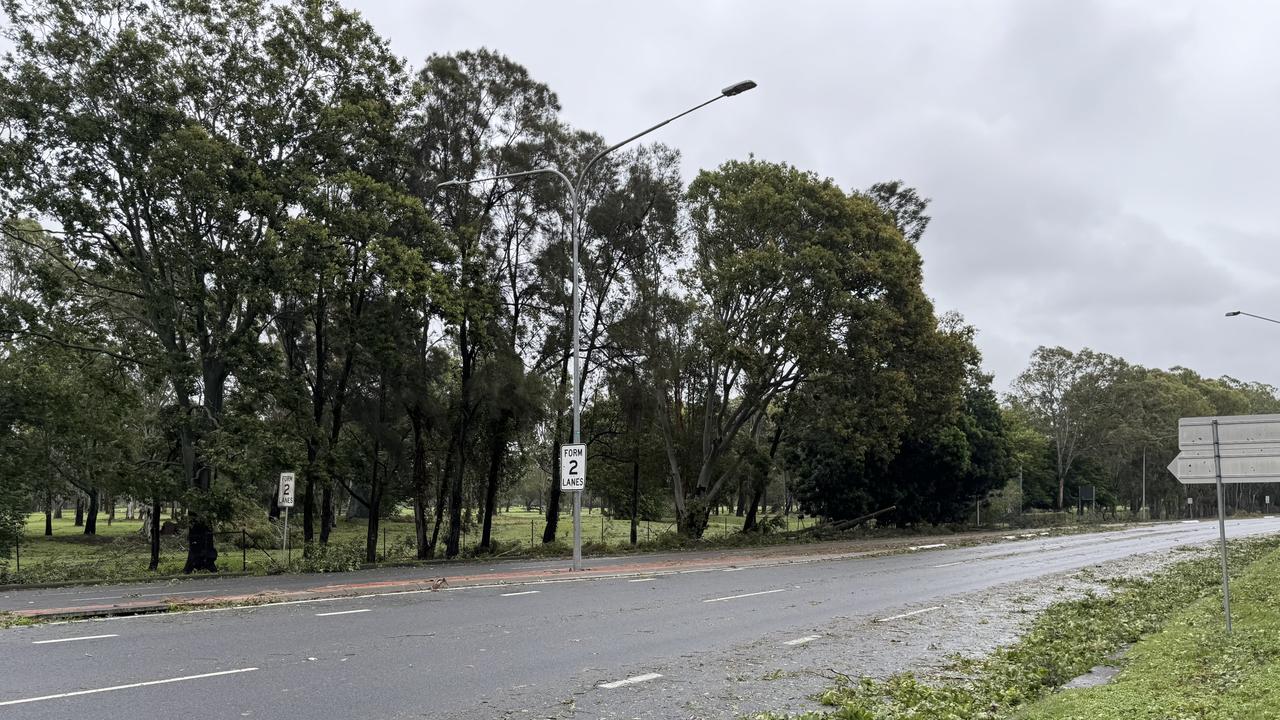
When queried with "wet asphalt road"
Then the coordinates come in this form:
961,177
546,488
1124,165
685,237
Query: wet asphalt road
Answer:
488,651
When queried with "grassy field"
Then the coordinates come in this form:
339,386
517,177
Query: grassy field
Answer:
120,551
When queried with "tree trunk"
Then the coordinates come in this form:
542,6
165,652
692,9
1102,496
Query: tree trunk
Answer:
420,487
79,511
757,496
309,497
452,546
439,520
635,499
467,354
553,500
111,509
497,451
155,535
91,515
48,515
202,554
761,485
326,510
375,517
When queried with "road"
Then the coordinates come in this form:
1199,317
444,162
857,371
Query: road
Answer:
522,649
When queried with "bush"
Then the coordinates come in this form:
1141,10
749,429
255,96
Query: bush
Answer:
334,557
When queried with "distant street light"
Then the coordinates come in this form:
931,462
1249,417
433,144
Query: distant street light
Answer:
1234,313
575,195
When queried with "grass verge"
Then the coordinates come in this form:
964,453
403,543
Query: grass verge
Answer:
1073,636
1191,668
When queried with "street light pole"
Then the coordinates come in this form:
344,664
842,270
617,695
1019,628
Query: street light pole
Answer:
575,216
1234,313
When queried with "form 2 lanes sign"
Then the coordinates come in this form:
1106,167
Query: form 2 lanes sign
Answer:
573,467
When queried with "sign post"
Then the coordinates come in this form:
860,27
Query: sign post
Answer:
573,478
285,500
1222,527
1220,450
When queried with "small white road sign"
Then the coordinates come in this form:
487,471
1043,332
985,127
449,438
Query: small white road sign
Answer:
285,497
573,467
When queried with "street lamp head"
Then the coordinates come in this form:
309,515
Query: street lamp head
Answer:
738,88
447,183
1233,313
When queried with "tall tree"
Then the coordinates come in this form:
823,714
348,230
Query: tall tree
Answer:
786,268
1067,395
478,114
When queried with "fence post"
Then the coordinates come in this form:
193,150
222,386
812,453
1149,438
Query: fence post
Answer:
531,521
244,551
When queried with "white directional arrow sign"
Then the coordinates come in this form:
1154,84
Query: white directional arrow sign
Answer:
1220,450
1249,447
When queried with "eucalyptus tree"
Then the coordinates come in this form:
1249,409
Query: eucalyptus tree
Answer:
1069,397
477,114
170,143
632,202
787,272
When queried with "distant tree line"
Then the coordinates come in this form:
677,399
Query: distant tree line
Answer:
1088,419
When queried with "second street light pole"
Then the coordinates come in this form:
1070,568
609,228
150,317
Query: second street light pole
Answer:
575,216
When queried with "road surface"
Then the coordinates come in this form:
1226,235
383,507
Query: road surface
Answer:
521,650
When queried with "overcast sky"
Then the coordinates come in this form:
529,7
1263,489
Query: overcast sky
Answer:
1103,174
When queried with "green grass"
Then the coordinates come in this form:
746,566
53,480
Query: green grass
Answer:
1191,668
119,551
1185,669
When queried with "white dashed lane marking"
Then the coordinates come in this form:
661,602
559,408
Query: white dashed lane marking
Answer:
127,687
74,639
744,595
910,614
629,681
803,640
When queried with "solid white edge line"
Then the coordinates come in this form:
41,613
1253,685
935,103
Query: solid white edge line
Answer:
907,615
126,687
630,681
803,640
524,592
74,639
958,562
926,547
641,579
735,597
343,612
